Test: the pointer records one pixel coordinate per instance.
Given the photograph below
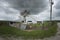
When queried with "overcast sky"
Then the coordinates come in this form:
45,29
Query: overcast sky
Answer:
39,9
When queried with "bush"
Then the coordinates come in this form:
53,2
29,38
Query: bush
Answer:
11,31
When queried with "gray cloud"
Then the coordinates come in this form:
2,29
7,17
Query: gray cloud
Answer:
34,6
11,8
57,6
57,14
57,9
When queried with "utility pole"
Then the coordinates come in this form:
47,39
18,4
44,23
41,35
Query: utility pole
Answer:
51,4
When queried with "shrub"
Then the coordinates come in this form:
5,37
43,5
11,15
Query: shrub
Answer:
11,31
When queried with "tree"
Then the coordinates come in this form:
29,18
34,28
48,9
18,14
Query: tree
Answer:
24,14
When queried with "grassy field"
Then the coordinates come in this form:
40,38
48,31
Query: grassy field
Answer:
6,30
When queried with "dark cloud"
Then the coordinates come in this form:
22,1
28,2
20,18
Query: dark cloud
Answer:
34,6
10,8
57,8
57,14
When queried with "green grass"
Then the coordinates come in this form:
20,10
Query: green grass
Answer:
12,31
